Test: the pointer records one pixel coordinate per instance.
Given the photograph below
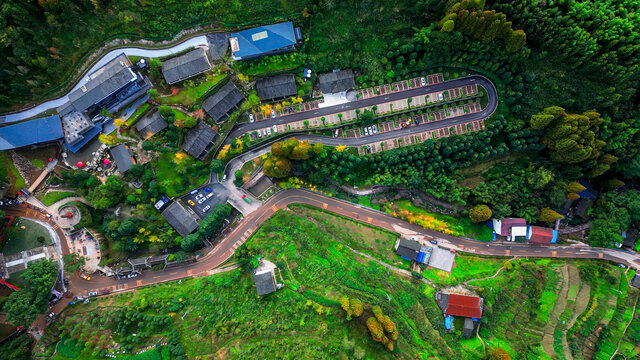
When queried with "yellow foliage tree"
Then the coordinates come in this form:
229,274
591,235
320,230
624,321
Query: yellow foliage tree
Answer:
119,122
341,148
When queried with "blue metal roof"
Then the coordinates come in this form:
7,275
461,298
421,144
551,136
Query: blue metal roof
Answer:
262,39
30,132
86,138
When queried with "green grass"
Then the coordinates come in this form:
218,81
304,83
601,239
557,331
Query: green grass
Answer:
573,291
17,239
190,95
466,268
457,226
53,197
136,115
9,173
270,64
37,163
17,279
170,181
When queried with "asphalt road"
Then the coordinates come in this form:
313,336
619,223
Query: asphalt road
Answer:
492,104
225,249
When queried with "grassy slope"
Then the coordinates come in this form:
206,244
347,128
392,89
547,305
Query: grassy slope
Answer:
52,197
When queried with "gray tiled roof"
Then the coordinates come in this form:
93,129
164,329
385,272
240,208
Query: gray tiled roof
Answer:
199,140
265,282
178,217
276,87
122,156
185,66
408,248
335,82
103,82
150,125
219,105
218,45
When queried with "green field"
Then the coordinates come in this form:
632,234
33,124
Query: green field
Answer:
190,95
174,177
9,174
53,197
18,239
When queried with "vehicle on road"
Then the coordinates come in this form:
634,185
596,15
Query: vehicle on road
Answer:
375,129
273,114
245,198
85,276
93,293
206,208
423,82
224,177
251,118
190,202
433,242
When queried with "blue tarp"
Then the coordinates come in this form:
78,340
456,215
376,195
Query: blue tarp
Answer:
263,39
448,322
87,137
420,258
30,132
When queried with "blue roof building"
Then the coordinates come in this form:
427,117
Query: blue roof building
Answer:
31,132
264,40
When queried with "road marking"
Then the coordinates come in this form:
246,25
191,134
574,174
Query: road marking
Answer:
274,208
139,283
554,253
507,252
600,255
325,205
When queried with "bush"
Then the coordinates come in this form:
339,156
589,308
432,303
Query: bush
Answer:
480,213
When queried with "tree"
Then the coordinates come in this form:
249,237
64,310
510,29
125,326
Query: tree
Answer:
447,26
318,148
573,196
575,187
515,41
497,353
153,94
548,215
20,308
217,166
480,213
277,167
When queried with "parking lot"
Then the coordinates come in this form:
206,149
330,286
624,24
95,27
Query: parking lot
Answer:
204,199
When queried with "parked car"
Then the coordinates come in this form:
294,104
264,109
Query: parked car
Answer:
273,113
423,82
199,196
206,208
224,177
190,202
93,293
264,132
452,251
251,118
259,134
375,129
207,190
433,242
106,291
132,275
202,200
245,198
440,97
195,191
370,130
268,131
275,129
209,196
85,276
366,132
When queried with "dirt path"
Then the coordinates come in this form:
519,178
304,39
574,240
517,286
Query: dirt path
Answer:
633,314
558,309
489,277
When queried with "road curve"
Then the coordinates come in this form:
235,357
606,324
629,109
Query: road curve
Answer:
130,51
492,104
225,248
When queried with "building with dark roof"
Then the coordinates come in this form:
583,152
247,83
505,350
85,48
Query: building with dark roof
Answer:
630,237
151,125
460,305
635,282
541,235
335,82
276,87
111,87
407,249
122,156
222,104
264,40
185,66
218,45
32,132
199,140
510,227
469,327
180,219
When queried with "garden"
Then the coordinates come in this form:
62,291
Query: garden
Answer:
53,197
25,234
177,173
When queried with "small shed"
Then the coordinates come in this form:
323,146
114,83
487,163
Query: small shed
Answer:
265,278
407,249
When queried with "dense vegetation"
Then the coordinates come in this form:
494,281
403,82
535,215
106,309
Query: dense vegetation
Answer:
23,306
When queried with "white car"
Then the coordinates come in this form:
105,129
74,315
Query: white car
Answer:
366,132
264,132
423,82
275,129
199,196
132,275
440,97
260,134
375,129
251,118
93,293
224,177
269,132
194,191
202,200
273,113
370,130
209,196
206,208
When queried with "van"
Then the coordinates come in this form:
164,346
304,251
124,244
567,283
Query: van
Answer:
224,177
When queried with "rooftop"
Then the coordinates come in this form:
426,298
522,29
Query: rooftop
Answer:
185,66
541,235
442,259
199,140
178,217
224,100
276,87
262,39
335,82
151,125
103,82
408,249
460,305
218,45
30,132
265,281
123,158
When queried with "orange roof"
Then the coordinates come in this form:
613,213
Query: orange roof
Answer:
465,306
540,235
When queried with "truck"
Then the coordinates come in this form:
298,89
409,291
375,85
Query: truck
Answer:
245,198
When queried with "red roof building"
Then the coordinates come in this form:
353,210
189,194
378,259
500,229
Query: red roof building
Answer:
541,235
460,305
